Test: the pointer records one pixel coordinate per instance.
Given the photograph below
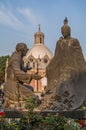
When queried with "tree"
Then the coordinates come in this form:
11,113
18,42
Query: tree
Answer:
2,67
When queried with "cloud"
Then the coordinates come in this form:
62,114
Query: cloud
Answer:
28,14
7,18
20,19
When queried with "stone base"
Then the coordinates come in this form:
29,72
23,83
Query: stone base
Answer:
78,114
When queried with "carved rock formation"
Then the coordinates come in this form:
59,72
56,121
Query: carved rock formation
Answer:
66,74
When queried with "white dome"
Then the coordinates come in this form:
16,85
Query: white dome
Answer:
39,50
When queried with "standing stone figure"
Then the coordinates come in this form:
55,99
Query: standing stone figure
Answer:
15,90
66,74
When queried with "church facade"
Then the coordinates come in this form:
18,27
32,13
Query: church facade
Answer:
38,57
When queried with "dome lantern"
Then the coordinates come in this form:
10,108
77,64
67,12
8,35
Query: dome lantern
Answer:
39,37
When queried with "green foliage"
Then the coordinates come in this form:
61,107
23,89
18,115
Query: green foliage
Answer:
72,125
2,67
48,122
3,124
40,121
31,103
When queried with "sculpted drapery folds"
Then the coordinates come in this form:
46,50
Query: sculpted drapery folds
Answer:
17,75
66,74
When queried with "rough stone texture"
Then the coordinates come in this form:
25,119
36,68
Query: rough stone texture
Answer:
66,74
15,90
67,61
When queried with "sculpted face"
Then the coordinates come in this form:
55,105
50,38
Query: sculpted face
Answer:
65,30
22,48
24,51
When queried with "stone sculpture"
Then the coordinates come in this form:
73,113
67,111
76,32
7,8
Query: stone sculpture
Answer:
15,89
66,74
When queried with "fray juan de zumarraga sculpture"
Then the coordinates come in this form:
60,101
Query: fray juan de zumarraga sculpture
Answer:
66,74
15,88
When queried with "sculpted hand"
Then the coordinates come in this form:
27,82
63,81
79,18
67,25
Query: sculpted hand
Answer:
36,77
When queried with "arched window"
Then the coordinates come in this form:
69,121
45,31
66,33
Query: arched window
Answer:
33,64
45,60
40,40
31,60
28,64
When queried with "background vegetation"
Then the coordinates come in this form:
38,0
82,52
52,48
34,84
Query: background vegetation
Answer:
2,67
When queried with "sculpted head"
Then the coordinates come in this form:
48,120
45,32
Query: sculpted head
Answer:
66,30
21,48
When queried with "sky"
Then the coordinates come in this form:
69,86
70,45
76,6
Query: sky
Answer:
19,21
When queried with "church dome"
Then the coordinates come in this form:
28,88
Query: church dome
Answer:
39,50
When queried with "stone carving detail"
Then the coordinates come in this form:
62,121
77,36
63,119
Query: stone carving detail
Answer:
15,89
66,74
